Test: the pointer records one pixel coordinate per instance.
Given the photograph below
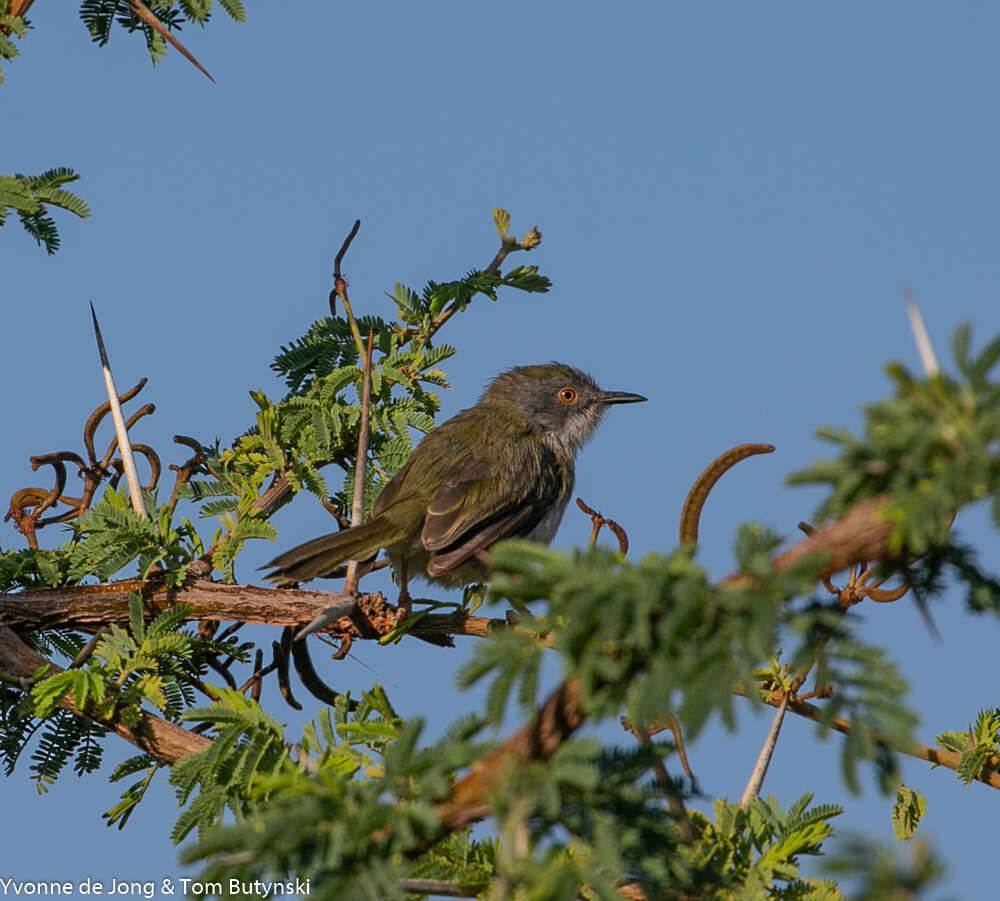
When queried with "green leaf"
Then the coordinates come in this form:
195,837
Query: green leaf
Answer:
907,812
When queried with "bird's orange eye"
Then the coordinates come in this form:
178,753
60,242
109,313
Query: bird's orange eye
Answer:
567,395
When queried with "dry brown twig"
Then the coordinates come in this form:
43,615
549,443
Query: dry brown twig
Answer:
28,504
340,290
598,520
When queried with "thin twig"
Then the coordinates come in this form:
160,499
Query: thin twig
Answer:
128,461
338,259
361,463
934,756
340,289
84,654
597,521
531,239
756,779
442,888
668,722
674,801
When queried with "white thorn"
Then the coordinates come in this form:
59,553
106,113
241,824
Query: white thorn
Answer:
124,447
924,349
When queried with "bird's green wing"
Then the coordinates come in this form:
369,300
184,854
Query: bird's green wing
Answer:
477,507
391,492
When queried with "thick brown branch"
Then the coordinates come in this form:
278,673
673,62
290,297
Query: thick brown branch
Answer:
861,534
161,739
88,607
559,717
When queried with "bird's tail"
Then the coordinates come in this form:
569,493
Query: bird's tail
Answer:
321,556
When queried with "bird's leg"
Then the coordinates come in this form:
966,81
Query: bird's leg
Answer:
403,604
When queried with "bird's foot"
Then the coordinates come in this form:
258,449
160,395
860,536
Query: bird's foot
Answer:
403,605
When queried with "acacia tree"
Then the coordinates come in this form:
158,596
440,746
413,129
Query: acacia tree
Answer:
96,646
360,803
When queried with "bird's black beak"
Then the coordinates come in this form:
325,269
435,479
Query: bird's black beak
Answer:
620,397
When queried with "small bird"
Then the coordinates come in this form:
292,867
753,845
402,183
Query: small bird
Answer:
501,469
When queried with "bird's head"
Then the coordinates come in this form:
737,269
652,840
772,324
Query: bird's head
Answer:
561,403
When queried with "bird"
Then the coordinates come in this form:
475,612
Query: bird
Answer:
503,468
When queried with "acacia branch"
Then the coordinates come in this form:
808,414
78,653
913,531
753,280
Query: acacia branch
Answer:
557,719
759,771
928,753
340,290
861,534
159,738
88,607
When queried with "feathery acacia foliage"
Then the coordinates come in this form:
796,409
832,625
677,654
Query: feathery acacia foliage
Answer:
30,196
100,17
11,26
360,803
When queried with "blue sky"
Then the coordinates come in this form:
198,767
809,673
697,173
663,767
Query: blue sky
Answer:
731,197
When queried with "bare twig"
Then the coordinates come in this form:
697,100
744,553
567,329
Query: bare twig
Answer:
84,654
674,801
338,259
668,722
128,461
934,756
340,290
756,779
361,463
597,521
